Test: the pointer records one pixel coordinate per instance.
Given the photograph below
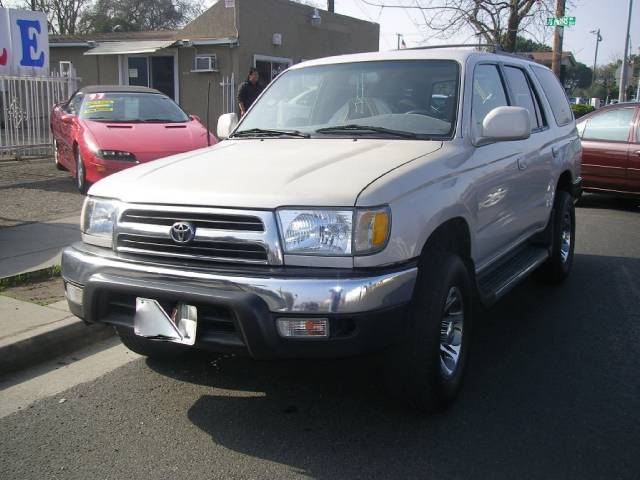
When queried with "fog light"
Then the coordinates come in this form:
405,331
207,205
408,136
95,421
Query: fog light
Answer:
73,293
303,327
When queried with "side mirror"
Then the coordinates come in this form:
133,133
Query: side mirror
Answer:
195,118
67,118
226,124
506,123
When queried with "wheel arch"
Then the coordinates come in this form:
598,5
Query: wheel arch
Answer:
453,236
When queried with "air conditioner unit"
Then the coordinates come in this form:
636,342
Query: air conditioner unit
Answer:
205,63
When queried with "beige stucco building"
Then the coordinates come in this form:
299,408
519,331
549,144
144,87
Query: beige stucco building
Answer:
226,40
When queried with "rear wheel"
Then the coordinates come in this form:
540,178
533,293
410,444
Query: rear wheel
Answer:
81,174
558,266
426,368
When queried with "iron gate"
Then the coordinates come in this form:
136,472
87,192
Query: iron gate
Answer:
26,108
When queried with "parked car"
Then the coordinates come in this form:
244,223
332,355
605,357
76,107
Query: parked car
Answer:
370,220
101,130
611,149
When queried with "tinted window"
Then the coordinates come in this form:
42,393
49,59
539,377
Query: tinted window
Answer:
555,94
416,96
612,125
131,107
74,104
488,93
522,94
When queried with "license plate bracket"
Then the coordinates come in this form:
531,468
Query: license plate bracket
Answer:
152,321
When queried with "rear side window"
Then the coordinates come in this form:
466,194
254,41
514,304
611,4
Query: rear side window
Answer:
488,93
522,94
555,94
612,125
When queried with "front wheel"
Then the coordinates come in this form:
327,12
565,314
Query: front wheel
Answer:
427,366
56,156
563,227
81,174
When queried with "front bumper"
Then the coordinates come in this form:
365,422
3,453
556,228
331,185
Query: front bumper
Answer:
365,310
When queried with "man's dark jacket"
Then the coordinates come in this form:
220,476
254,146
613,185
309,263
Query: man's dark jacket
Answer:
248,92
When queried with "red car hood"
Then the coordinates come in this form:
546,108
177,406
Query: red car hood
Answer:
148,141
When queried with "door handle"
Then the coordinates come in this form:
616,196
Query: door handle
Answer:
522,163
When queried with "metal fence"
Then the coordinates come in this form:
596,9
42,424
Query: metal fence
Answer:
26,108
228,86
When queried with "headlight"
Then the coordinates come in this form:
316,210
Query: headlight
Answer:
317,232
98,217
116,155
333,232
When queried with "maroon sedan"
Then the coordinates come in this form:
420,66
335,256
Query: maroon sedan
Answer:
611,149
104,129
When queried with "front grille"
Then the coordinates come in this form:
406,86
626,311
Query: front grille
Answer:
221,235
201,250
200,220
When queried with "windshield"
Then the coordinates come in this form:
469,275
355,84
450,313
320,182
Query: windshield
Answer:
400,98
131,107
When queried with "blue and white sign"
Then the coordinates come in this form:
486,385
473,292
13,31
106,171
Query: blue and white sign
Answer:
24,43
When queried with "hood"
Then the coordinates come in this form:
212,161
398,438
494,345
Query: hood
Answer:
148,141
269,173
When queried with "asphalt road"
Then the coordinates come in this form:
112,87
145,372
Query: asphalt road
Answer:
552,392
34,191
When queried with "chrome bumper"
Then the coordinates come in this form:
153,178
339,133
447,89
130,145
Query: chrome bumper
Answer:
82,266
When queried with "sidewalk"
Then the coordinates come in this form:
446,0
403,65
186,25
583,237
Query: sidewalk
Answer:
30,333
34,246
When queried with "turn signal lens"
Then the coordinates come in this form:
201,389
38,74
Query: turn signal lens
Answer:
372,229
303,327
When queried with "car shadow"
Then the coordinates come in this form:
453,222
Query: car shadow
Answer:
548,394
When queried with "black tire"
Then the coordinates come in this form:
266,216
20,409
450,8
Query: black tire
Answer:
414,369
149,348
81,174
558,266
56,156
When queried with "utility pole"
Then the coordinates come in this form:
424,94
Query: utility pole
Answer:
331,6
595,60
622,94
557,40
399,35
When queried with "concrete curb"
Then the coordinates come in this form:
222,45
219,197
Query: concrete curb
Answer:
48,342
30,276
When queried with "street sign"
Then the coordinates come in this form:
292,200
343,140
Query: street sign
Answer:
561,21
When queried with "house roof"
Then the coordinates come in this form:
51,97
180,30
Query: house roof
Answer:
546,58
115,36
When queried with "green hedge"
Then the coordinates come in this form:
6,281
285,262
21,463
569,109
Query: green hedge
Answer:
580,110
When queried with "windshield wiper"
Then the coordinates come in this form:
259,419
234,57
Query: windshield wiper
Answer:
256,132
364,129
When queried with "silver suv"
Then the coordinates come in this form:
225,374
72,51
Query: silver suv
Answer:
364,203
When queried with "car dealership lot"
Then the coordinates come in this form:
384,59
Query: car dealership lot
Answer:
552,392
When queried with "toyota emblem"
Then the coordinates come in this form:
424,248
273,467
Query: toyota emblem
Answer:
182,232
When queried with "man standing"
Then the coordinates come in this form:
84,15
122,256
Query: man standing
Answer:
249,91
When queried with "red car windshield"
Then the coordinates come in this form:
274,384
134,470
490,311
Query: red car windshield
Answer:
131,107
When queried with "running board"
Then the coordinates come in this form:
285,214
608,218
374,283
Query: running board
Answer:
494,283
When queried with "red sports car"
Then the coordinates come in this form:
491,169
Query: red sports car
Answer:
104,129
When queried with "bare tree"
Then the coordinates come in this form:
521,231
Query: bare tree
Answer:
63,15
497,22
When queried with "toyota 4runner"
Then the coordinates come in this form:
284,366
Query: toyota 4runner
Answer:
365,202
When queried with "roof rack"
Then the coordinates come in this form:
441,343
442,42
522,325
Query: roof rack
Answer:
491,48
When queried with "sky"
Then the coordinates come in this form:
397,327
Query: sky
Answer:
608,15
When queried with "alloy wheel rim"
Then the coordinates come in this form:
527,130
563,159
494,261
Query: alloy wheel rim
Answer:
451,331
80,172
565,240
